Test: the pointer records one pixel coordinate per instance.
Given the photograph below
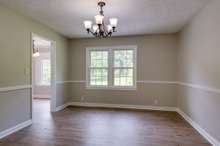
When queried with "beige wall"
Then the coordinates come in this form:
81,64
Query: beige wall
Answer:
15,58
156,60
199,64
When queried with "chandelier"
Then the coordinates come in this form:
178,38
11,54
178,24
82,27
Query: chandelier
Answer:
36,52
99,29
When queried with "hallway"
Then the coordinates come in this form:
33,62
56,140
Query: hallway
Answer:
41,111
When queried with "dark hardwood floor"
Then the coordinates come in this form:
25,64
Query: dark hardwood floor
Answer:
77,126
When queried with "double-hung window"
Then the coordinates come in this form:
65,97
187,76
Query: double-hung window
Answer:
111,67
98,68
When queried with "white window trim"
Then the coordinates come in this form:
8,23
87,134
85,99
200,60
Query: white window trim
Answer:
110,76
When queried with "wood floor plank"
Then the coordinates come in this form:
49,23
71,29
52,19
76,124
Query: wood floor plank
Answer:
77,126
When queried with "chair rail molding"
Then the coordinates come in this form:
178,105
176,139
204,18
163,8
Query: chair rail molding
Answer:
201,87
12,88
197,86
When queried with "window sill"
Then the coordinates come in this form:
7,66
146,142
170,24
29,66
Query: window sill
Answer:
133,88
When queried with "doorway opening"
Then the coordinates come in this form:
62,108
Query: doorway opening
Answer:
43,75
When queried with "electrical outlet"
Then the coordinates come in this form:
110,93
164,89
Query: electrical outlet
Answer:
82,98
155,101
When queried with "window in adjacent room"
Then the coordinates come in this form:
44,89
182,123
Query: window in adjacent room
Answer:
111,67
45,76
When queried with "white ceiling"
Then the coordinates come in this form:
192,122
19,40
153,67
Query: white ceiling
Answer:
135,16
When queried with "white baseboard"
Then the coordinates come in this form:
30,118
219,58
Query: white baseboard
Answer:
59,108
202,131
122,106
15,129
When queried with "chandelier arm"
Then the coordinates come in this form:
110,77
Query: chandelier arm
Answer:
114,29
110,34
93,33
